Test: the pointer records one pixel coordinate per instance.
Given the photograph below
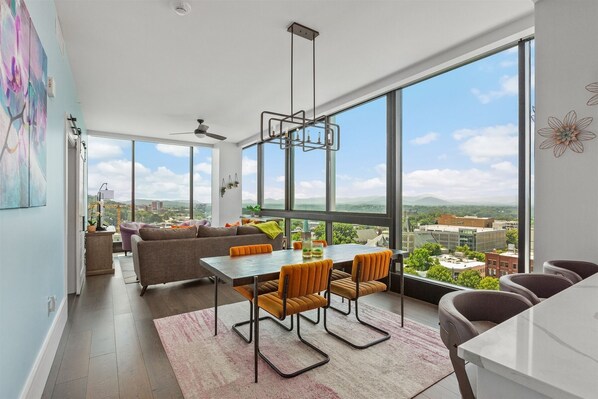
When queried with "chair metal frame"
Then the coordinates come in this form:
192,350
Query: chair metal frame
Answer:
308,344
236,326
385,334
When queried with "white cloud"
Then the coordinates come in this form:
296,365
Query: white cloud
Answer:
442,157
425,139
381,169
174,150
203,167
463,185
507,63
490,143
249,166
504,166
310,189
160,183
509,86
280,179
248,195
103,149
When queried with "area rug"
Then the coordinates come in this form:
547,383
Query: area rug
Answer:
208,366
127,269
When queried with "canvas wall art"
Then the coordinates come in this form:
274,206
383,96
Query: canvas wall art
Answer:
23,105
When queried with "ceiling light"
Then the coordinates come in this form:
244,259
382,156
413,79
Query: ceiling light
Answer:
296,129
182,8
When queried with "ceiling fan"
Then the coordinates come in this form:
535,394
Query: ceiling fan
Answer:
202,132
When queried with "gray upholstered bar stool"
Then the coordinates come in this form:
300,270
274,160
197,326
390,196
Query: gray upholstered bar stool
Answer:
535,287
466,314
573,270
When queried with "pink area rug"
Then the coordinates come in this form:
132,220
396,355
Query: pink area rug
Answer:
222,367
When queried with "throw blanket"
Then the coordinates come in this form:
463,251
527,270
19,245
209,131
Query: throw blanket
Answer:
271,229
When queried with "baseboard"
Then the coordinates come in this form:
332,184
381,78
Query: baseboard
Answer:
36,382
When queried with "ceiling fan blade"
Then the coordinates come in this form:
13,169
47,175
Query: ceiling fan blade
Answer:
174,134
215,136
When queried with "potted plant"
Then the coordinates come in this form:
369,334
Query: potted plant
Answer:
91,226
254,210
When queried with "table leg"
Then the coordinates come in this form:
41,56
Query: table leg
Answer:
256,326
215,305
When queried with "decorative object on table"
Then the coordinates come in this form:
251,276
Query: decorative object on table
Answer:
23,110
254,210
317,249
412,360
593,88
566,134
202,132
306,241
91,226
103,193
296,129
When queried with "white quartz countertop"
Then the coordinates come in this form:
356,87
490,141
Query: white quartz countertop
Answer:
551,348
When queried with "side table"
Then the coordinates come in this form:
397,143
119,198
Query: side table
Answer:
98,253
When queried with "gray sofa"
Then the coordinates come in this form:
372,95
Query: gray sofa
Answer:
167,255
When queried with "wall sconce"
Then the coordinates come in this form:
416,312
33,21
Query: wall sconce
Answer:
230,185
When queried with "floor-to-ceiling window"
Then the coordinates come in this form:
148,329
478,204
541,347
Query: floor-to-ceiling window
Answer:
274,177
310,180
163,178
460,138
249,176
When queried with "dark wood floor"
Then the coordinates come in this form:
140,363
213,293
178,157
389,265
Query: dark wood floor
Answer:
111,349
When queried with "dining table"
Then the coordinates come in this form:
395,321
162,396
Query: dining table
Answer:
253,269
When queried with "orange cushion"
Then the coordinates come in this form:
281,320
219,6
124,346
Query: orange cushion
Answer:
243,250
232,224
272,304
339,274
262,288
181,227
347,288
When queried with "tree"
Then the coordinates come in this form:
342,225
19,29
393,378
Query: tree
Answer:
420,259
410,270
320,231
469,278
488,283
513,237
433,248
343,233
440,273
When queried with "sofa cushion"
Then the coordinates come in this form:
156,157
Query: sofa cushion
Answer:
204,231
244,230
149,234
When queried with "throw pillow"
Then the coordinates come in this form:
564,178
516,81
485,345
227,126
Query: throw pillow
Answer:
149,234
204,231
232,224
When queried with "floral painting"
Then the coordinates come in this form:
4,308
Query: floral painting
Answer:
23,76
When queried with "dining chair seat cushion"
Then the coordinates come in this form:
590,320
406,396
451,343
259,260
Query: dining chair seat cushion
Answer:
339,274
347,288
483,325
272,303
262,288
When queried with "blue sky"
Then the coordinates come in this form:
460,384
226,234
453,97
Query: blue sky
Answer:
459,141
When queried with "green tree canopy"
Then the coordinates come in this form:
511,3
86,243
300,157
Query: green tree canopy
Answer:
440,273
344,233
410,270
488,283
469,278
420,259
433,248
513,237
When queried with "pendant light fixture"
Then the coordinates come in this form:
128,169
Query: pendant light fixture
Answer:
296,129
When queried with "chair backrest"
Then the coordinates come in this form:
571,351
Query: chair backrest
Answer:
373,266
457,311
534,286
299,244
250,249
574,270
304,278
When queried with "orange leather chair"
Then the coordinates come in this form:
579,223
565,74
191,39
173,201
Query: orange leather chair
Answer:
367,270
298,291
247,290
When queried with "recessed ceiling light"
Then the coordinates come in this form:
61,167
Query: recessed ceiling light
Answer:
181,8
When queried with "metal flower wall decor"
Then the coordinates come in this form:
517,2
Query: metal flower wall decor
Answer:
593,88
566,134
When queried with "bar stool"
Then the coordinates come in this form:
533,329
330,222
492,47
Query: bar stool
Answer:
573,270
535,287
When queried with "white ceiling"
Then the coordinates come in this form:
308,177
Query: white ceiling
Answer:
140,69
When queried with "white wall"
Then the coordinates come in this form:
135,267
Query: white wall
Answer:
566,191
226,160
